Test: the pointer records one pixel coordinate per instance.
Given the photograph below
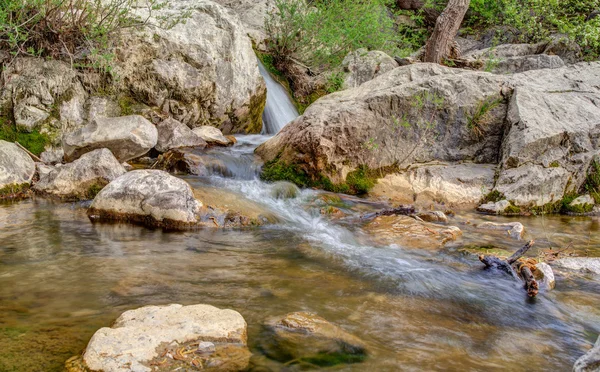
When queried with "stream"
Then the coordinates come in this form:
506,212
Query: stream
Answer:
63,277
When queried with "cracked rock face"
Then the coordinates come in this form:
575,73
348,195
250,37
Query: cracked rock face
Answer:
151,197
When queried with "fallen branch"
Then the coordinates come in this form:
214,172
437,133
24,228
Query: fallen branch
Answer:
403,210
34,157
522,271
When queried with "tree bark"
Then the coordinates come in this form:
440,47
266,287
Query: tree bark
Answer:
431,15
446,27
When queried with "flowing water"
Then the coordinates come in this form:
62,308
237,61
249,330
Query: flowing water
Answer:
279,109
62,278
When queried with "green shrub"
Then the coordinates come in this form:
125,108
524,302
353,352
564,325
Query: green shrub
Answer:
592,183
321,34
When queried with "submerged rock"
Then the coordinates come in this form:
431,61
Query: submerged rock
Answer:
173,134
307,337
408,232
590,361
151,197
188,161
83,178
583,264
127,137
211,135
138,339
16,168
433,216
284,190
514,229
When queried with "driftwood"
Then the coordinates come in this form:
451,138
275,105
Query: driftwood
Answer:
403,210
516,269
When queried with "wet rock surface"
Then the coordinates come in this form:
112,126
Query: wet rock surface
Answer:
407,232
306,337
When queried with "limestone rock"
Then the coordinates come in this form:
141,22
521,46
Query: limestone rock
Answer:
533,184
173,134
545,275
134,340
211,135
433,216
188,161
453,184
363,65
583,264
83,178
150,197
201,71
252,13
590,361
127,137
494,207
101,107
35,87
308,336
514,229
512,58
16,166
52,155
408,232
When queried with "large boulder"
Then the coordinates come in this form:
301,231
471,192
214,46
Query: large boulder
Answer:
16,168
201,71
173,134
150,197
361,66
43,94
590,361
539,126
511,58
127,137
307,337
83,178
139,338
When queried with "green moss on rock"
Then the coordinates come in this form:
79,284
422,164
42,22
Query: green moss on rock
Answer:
34,141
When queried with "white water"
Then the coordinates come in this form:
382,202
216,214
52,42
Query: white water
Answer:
279,109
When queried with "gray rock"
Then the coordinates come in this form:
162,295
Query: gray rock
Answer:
101,107
83,178
456,184
433,216
173,134
526,63
307,335
514,229
151,197
583,264
252,13
135,338
546,279
16,166
211,135
533,184
363,65
127,137
52,155
201,71
43,170
494,208
590,361
35,87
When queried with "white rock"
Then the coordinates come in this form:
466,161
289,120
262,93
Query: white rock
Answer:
583,200
547,280
52,155
127,137
133,339
16,166
211,135
173,134
152,197
584,264
494,208
514,229
590,361
83,177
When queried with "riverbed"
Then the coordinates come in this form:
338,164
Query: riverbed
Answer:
63,277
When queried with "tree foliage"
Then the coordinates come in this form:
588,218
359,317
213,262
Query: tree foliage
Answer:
321,33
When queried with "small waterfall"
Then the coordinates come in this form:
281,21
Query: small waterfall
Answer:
279,109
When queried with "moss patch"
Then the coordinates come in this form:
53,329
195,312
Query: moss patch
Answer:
126,104
592,182
34,141
14,191
493,197
358,182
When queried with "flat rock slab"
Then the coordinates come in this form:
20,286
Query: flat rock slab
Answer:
514,229
135,339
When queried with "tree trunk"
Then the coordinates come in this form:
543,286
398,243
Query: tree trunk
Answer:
430,14
446,27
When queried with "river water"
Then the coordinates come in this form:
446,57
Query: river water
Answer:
62,278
